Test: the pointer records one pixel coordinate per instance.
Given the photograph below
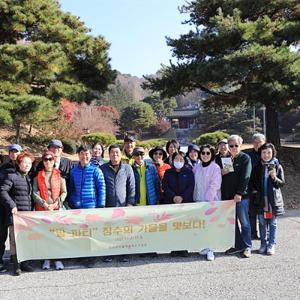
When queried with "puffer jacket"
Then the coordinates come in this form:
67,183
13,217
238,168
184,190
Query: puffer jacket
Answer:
178,184
87,187
152,184
207,182
273,191
16,191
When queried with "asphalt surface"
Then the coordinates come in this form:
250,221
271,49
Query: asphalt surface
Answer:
165,277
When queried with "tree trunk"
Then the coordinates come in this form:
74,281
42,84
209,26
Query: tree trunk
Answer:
272,125
18,129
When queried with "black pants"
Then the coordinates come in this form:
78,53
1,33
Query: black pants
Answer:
253,211
3,231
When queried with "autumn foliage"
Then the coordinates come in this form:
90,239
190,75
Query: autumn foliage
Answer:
81,118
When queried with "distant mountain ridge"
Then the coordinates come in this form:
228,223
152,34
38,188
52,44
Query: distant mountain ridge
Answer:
132,85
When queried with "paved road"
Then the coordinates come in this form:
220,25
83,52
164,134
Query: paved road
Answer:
260,277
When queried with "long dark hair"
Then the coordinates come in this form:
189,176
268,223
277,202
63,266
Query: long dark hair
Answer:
175,143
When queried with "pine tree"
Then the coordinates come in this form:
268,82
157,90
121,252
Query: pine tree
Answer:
137,117
241,51
47,54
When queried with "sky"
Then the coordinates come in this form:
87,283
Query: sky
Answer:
136,30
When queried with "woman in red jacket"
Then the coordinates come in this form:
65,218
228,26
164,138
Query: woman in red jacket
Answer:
49,193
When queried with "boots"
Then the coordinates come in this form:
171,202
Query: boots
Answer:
26,267
16,266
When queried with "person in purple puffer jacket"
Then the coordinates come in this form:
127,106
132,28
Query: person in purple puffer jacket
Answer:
208,181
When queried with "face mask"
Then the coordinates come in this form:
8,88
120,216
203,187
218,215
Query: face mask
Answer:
178,165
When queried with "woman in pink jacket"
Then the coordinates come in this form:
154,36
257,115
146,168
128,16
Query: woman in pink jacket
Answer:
208,181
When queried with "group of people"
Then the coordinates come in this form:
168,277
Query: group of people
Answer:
128,178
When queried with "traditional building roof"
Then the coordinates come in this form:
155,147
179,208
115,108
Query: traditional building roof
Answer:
184,113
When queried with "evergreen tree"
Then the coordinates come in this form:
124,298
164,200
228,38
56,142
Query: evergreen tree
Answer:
137,117
233,120
116,96
240,51
47,54
161,106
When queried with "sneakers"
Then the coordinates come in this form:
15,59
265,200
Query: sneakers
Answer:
271,250
204,251
262,249
123,258
58,265
210,255
107,259
46,265
232,251
247,253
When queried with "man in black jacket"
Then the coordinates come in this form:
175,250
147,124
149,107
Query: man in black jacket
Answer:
258,140
10,167
235,186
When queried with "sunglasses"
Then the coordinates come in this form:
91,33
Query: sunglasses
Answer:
48,159
236,146
158,153
139,154
205,153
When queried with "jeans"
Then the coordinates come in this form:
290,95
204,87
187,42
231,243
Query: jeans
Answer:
265,226
243,236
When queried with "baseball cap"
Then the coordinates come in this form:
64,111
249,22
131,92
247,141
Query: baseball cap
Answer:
15,147
224,141
138,150
55,143
129,138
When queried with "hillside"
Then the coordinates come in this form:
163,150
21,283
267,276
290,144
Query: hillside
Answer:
132,84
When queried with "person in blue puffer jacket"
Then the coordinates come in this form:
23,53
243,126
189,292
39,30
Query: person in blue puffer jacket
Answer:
147,183
87,184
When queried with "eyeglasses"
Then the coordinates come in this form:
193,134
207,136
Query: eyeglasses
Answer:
48,159
158,153
236,146
205,153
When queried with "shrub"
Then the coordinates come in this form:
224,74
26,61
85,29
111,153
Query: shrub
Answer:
70,146
104,138
211,138
148,144
36,140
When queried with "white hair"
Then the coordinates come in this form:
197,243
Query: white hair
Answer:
236,137
258,136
